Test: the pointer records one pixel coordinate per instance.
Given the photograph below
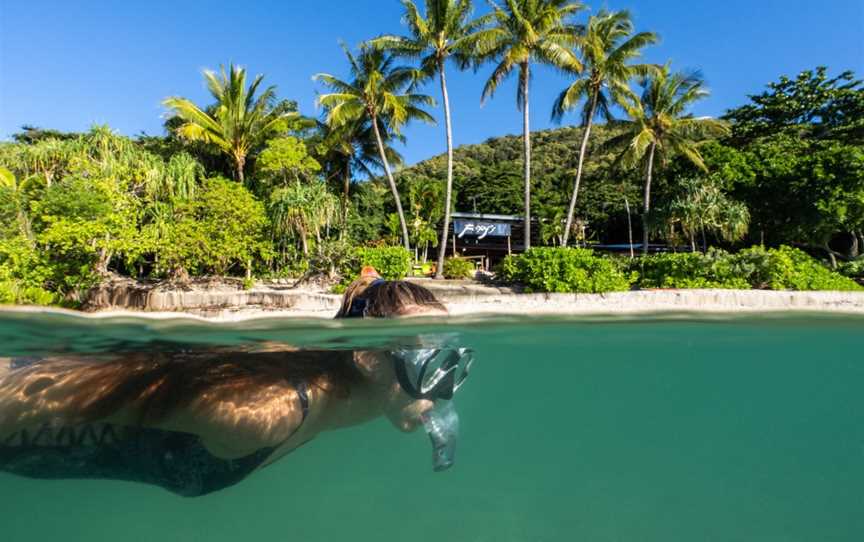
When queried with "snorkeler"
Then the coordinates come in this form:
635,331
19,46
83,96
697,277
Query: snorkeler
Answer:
198,422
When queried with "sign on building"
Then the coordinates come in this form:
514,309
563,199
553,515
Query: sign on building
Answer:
481,229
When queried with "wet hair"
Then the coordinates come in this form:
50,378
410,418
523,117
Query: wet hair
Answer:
386,299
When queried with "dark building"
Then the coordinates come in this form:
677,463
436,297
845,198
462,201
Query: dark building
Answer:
488,238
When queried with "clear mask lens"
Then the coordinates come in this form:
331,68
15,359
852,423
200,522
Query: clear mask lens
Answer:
435,373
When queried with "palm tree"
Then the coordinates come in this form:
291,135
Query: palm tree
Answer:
382,93
660,126
606,47
342,150
238,122
447,31
526,31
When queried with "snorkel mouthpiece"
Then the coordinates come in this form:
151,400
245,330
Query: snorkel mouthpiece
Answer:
442,426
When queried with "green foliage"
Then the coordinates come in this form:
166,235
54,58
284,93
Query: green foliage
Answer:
853,269
812,104
716,269
239,122
86,221
787,268
25,274
459,268
286,158
699,207
783,268
233,224
392,263
565,270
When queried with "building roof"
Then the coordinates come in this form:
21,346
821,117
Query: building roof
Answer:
481,216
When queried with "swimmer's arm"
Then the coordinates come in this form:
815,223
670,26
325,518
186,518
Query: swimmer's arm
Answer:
237,423
232,422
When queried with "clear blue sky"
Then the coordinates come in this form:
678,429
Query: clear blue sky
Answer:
68,64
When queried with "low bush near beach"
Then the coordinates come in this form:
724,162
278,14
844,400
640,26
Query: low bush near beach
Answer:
782,268
459,268
716,269
565,270
787,268
853,269
392,263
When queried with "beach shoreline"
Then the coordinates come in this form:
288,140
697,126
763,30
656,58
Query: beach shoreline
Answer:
471,299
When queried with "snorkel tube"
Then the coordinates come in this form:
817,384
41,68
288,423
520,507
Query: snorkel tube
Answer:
442,426
435,374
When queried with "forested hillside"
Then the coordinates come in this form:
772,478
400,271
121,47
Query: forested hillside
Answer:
488,179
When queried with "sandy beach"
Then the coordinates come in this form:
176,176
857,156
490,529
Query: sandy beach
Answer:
462,298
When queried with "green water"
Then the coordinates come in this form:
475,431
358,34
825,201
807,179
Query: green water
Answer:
597,429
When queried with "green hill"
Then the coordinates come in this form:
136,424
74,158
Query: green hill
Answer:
488,177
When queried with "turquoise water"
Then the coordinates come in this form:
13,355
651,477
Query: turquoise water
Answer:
604,429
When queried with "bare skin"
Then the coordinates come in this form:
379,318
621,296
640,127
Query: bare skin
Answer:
232,422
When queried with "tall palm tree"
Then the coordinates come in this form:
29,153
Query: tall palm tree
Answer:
447,31
660,126
382,93
342,150
239,121
526,31
606,47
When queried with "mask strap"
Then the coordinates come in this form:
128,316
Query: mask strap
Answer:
359,305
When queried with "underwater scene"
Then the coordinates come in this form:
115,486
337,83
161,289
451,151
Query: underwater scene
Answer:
642,428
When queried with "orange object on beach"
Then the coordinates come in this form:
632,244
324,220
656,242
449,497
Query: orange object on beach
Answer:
369,272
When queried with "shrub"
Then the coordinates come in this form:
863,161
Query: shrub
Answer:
25,275
716,269
565,270
782,268
232,222
392,263
787,268
459,268
508,269
853,269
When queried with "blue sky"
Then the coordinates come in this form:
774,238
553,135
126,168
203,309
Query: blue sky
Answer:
69,64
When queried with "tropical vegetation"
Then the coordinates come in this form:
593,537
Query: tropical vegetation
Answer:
247,186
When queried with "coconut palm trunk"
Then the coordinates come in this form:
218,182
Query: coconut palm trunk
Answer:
448,198
629,226
526,142
582,152
405,239
346,193
239,164
647,199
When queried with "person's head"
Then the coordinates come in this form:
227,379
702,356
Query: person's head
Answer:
370,296
411,380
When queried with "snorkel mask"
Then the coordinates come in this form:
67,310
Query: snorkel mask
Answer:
435,374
